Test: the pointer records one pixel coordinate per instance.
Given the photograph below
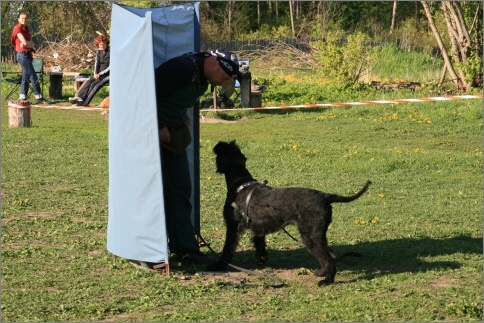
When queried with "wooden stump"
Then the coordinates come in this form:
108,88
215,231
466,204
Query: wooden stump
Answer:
19,114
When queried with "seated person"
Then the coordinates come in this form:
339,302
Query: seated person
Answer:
101,73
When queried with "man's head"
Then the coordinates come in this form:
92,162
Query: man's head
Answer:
22,18
227,60
221,67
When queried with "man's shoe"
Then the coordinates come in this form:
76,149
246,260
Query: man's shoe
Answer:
75,100
152,266
42,101
195,257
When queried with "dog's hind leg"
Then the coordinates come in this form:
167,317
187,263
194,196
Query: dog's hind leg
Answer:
260,249
327,266
314,238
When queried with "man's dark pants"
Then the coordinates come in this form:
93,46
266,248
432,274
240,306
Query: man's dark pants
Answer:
177,188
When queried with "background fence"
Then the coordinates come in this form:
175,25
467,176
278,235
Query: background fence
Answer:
8,55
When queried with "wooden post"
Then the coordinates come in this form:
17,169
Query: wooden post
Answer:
245,82
255,99
214,98
19,114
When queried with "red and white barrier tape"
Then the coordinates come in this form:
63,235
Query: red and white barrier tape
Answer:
346,104
299,106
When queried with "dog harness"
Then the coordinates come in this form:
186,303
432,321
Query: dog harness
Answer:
244,208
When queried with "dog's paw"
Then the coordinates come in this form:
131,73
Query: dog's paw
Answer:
328,278
262,257
261,260
325,282
218,266
319,272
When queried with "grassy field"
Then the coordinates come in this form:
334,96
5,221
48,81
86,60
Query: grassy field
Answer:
419,227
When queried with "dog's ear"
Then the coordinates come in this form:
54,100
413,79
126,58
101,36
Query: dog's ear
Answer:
224,146
236,154
220,147
228,156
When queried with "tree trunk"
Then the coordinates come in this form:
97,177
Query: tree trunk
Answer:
442,76
394,14
291,13
448,64
323,15
459,36
229,19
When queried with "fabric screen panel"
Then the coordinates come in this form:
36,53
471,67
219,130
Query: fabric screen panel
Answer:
136,221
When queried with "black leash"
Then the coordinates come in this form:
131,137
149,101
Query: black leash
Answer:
346,254
279,283
284,229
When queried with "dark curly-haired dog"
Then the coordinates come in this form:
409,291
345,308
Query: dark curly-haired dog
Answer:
263,210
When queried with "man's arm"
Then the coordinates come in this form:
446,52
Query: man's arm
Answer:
170,77
24,43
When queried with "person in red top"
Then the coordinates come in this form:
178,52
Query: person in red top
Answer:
22,40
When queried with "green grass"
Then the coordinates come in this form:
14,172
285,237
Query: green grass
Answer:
395,64
419,227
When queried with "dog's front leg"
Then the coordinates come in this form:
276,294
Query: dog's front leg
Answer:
260,249
231,240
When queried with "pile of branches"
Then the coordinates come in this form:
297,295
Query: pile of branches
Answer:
70,55
279,56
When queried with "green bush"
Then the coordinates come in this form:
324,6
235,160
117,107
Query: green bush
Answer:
345,62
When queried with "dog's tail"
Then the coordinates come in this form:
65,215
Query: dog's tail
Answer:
345,199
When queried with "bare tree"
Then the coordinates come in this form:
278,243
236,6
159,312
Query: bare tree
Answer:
456,59
327,12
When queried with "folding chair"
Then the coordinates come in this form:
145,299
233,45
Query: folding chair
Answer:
15,82
38,64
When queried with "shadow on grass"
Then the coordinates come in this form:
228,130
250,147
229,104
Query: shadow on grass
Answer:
378,258
237,114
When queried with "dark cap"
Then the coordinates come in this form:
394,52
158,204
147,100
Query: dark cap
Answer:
227,60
